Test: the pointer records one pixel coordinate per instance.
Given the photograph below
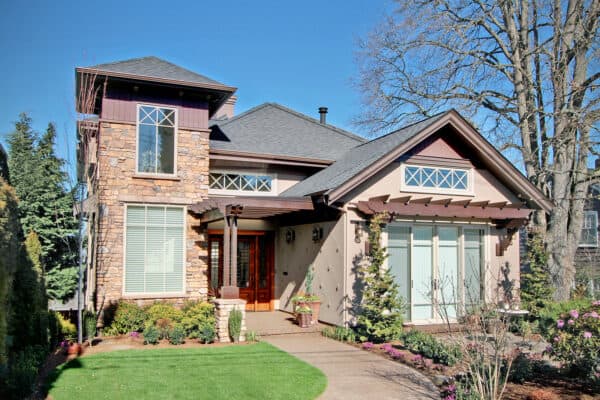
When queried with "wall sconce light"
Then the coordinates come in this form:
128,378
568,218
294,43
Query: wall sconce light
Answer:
317,233
357,233
290,235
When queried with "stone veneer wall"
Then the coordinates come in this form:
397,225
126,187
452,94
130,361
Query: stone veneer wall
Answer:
119,185
223,307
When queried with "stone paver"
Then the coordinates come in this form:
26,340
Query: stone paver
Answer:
353,373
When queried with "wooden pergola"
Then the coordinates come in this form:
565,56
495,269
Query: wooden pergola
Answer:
230,209
510,216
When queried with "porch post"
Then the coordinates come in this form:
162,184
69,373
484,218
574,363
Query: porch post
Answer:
226,251
234,232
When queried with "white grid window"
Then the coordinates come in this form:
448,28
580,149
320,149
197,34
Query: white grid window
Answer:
442,179
240,182
589,230
156,140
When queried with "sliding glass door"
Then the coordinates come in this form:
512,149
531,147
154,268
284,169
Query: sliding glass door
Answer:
438,268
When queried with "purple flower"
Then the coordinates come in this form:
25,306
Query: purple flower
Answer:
574,314
556,339
386,347
549,349
134,334
594,314
417,358
560,323
428,363
587,334
596,303
367,345
570,322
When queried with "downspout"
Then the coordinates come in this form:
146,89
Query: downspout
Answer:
345,269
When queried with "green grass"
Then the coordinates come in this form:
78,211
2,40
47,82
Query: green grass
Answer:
256,371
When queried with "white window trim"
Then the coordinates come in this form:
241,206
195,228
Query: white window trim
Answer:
462,226
130,295
137,141
225,192
442,191
588,245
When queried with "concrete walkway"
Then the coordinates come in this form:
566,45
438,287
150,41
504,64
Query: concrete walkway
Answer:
353,373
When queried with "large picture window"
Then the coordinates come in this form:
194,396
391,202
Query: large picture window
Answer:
589,230
154,249
436,179
156,140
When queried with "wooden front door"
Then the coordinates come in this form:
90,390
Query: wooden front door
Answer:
255,264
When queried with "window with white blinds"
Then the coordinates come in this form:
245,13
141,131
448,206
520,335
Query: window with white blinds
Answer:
154,249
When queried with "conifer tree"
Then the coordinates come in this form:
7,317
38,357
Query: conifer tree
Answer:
536,283
380,317
45,203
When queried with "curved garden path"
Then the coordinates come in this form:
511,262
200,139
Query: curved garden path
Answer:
353,373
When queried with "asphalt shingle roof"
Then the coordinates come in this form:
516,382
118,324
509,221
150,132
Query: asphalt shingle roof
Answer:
272,129
154,67
356,159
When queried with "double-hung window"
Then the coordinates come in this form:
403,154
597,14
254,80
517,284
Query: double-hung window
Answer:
589,230
156,140
154,249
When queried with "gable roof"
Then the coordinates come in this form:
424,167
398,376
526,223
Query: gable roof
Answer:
274,130
362,162
154,67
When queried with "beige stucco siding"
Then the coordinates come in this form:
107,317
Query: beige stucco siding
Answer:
292,261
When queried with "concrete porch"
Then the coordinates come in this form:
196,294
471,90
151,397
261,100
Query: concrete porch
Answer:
276,323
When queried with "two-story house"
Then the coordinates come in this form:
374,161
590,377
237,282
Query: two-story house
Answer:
188,200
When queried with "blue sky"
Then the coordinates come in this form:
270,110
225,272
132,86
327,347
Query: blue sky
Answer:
300,54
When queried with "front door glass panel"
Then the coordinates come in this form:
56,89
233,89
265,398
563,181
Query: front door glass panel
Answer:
243,264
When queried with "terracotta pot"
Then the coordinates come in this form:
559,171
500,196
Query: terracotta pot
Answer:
74,349
304,320
315,306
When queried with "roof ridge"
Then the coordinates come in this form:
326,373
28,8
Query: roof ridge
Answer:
315,121
121,61
236,117
407,127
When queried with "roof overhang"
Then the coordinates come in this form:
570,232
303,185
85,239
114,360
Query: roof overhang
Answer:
217,208
218,154
494,160
216,94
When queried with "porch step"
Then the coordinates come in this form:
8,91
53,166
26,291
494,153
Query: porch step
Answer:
276,323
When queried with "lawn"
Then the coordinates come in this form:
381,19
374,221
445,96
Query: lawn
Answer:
254,371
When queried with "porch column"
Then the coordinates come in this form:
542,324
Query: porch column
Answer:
234,232
226,251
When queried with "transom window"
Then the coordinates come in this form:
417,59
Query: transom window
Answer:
154,249
426,178
589,230
240,182
156,140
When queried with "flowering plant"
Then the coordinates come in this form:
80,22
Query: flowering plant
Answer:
576,342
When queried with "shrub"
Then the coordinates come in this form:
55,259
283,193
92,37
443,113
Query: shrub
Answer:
196,315
576,340
340,333
162,310
68,330
381,307
207,333
428,346
552,312
151,335
177,335
235,324
22,372
89,323
164,326
251,336
128,318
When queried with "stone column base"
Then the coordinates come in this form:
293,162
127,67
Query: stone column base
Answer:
222,309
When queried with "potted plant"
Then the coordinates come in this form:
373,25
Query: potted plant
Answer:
310,298
304,316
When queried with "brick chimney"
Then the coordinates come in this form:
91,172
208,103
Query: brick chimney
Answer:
227,110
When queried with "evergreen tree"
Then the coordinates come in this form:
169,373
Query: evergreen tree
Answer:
536,283
4,165
380,317
45,204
